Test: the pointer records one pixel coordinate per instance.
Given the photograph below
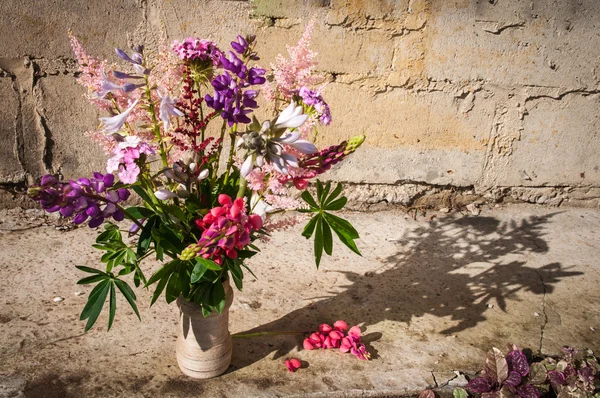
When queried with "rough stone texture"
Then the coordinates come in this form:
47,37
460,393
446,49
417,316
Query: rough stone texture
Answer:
432,295
495,96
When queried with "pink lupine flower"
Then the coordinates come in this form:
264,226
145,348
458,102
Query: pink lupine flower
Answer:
226,229
293,364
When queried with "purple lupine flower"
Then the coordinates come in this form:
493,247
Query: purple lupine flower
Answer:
84,199
315,99
231,94
240,45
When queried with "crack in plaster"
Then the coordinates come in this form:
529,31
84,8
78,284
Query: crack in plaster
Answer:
19,147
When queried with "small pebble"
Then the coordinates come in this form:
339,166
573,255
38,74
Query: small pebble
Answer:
444,210
79,294
490,305
58,299
536,314
593,329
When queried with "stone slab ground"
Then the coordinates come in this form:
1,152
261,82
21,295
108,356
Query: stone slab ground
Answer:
431,294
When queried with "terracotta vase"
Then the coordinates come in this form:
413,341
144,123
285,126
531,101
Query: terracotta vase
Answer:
204,344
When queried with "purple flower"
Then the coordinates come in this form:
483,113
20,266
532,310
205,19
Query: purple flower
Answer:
315,99
136,59
83,199
231,94
240,45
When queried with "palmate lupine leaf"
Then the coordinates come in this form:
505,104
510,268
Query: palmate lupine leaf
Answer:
323,223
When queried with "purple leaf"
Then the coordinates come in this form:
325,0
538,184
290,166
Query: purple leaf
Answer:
425,393
480,385
513,380
496,366
517,361
556,378
528,391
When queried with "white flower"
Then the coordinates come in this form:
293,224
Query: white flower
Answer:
164,194
291,117
113,124
260,207
167,110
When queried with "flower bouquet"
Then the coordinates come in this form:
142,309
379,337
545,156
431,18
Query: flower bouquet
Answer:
213,180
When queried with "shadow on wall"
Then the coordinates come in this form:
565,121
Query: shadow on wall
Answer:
452,268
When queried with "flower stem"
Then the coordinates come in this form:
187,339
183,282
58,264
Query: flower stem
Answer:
163,154
230,160
259,334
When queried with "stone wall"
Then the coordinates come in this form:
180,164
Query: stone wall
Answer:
496,98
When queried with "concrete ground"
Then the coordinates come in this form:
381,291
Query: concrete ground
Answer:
431,295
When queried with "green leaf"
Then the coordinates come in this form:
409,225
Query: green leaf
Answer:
319,190
339,223
129,295
90,270
173,287
139,212
96,300
310,227
310,200
319,241
159,288
209,264
143,194
163,272
146,235
198,272
337,204
327,238
342,234
112,306
324,193
460,393
336,192
92,279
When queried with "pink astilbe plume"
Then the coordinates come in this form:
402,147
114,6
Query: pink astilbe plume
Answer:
297,71
92,71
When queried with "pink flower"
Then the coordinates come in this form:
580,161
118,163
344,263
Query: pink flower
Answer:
226,229
308,345
293,364
341,325
336,337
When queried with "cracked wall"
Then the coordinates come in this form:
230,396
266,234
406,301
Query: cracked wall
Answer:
495,98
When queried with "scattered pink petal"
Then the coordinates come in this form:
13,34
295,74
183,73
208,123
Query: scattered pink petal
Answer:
308,345
293,364
354,332
341,325
325,328
336,335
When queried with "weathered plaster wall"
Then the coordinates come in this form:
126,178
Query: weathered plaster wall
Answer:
491,97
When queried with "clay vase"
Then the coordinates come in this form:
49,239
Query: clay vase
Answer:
204,344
